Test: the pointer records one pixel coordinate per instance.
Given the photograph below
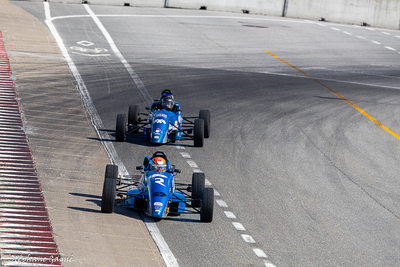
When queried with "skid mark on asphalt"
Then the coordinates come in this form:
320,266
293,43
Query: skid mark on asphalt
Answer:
229,214
26,236
338,95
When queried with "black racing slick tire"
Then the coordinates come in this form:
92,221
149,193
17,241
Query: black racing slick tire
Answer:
133,114
207,205
198,132
198,183
109,189
120,128
205,115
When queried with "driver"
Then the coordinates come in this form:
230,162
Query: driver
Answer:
158,164
166,102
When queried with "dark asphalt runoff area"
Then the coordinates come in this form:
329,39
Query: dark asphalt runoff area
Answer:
304,145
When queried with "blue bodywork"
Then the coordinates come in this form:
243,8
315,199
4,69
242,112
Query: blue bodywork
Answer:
155,193
164,126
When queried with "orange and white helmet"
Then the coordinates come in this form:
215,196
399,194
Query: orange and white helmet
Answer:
158,164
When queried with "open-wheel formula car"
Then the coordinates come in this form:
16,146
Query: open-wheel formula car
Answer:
164,123
155,191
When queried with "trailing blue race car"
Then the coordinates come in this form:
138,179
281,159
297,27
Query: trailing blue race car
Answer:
164,123
155,191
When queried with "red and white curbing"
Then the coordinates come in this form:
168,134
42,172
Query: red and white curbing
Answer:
26,236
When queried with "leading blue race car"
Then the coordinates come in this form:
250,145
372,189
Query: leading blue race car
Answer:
164,123
155,191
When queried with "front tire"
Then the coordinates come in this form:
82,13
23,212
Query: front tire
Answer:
207,205
120,128
198,184
133,114
205,115
109,189
198,132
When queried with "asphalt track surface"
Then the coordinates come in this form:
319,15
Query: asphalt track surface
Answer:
303,150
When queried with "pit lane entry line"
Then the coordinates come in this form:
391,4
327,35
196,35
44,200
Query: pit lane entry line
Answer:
338,95
163,247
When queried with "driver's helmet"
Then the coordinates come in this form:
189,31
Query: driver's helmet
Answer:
168,102
158,164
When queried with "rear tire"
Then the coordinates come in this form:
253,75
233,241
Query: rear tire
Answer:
198,184
207,205
133,114
109,189
198,132
205,115
120,128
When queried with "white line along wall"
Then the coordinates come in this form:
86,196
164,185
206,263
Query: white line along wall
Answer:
377,13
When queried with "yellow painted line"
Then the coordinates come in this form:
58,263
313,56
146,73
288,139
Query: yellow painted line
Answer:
338,95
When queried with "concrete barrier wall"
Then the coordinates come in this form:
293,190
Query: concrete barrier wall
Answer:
139,3
376,13
265,7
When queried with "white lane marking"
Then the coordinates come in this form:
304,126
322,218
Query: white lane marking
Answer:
260,253
165,252
184,16
347,33
336,29
248,239
230,215
239,226
216,193
390,48
320,24
192,164
398,36
221,203
386,33
360,37
139,84
197,170
185,155
375,42
207,182
269,264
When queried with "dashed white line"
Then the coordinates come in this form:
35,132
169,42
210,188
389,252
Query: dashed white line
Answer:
348,33
239,226
260,253
230,215
248,239
360,37
221,203
390,48
216,193
185,155
192,164
336,29
268,264
375,42
207,182
386,33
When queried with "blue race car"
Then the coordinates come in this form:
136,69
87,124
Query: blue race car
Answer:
164,123
155,191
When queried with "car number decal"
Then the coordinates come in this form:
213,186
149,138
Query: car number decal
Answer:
160,181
